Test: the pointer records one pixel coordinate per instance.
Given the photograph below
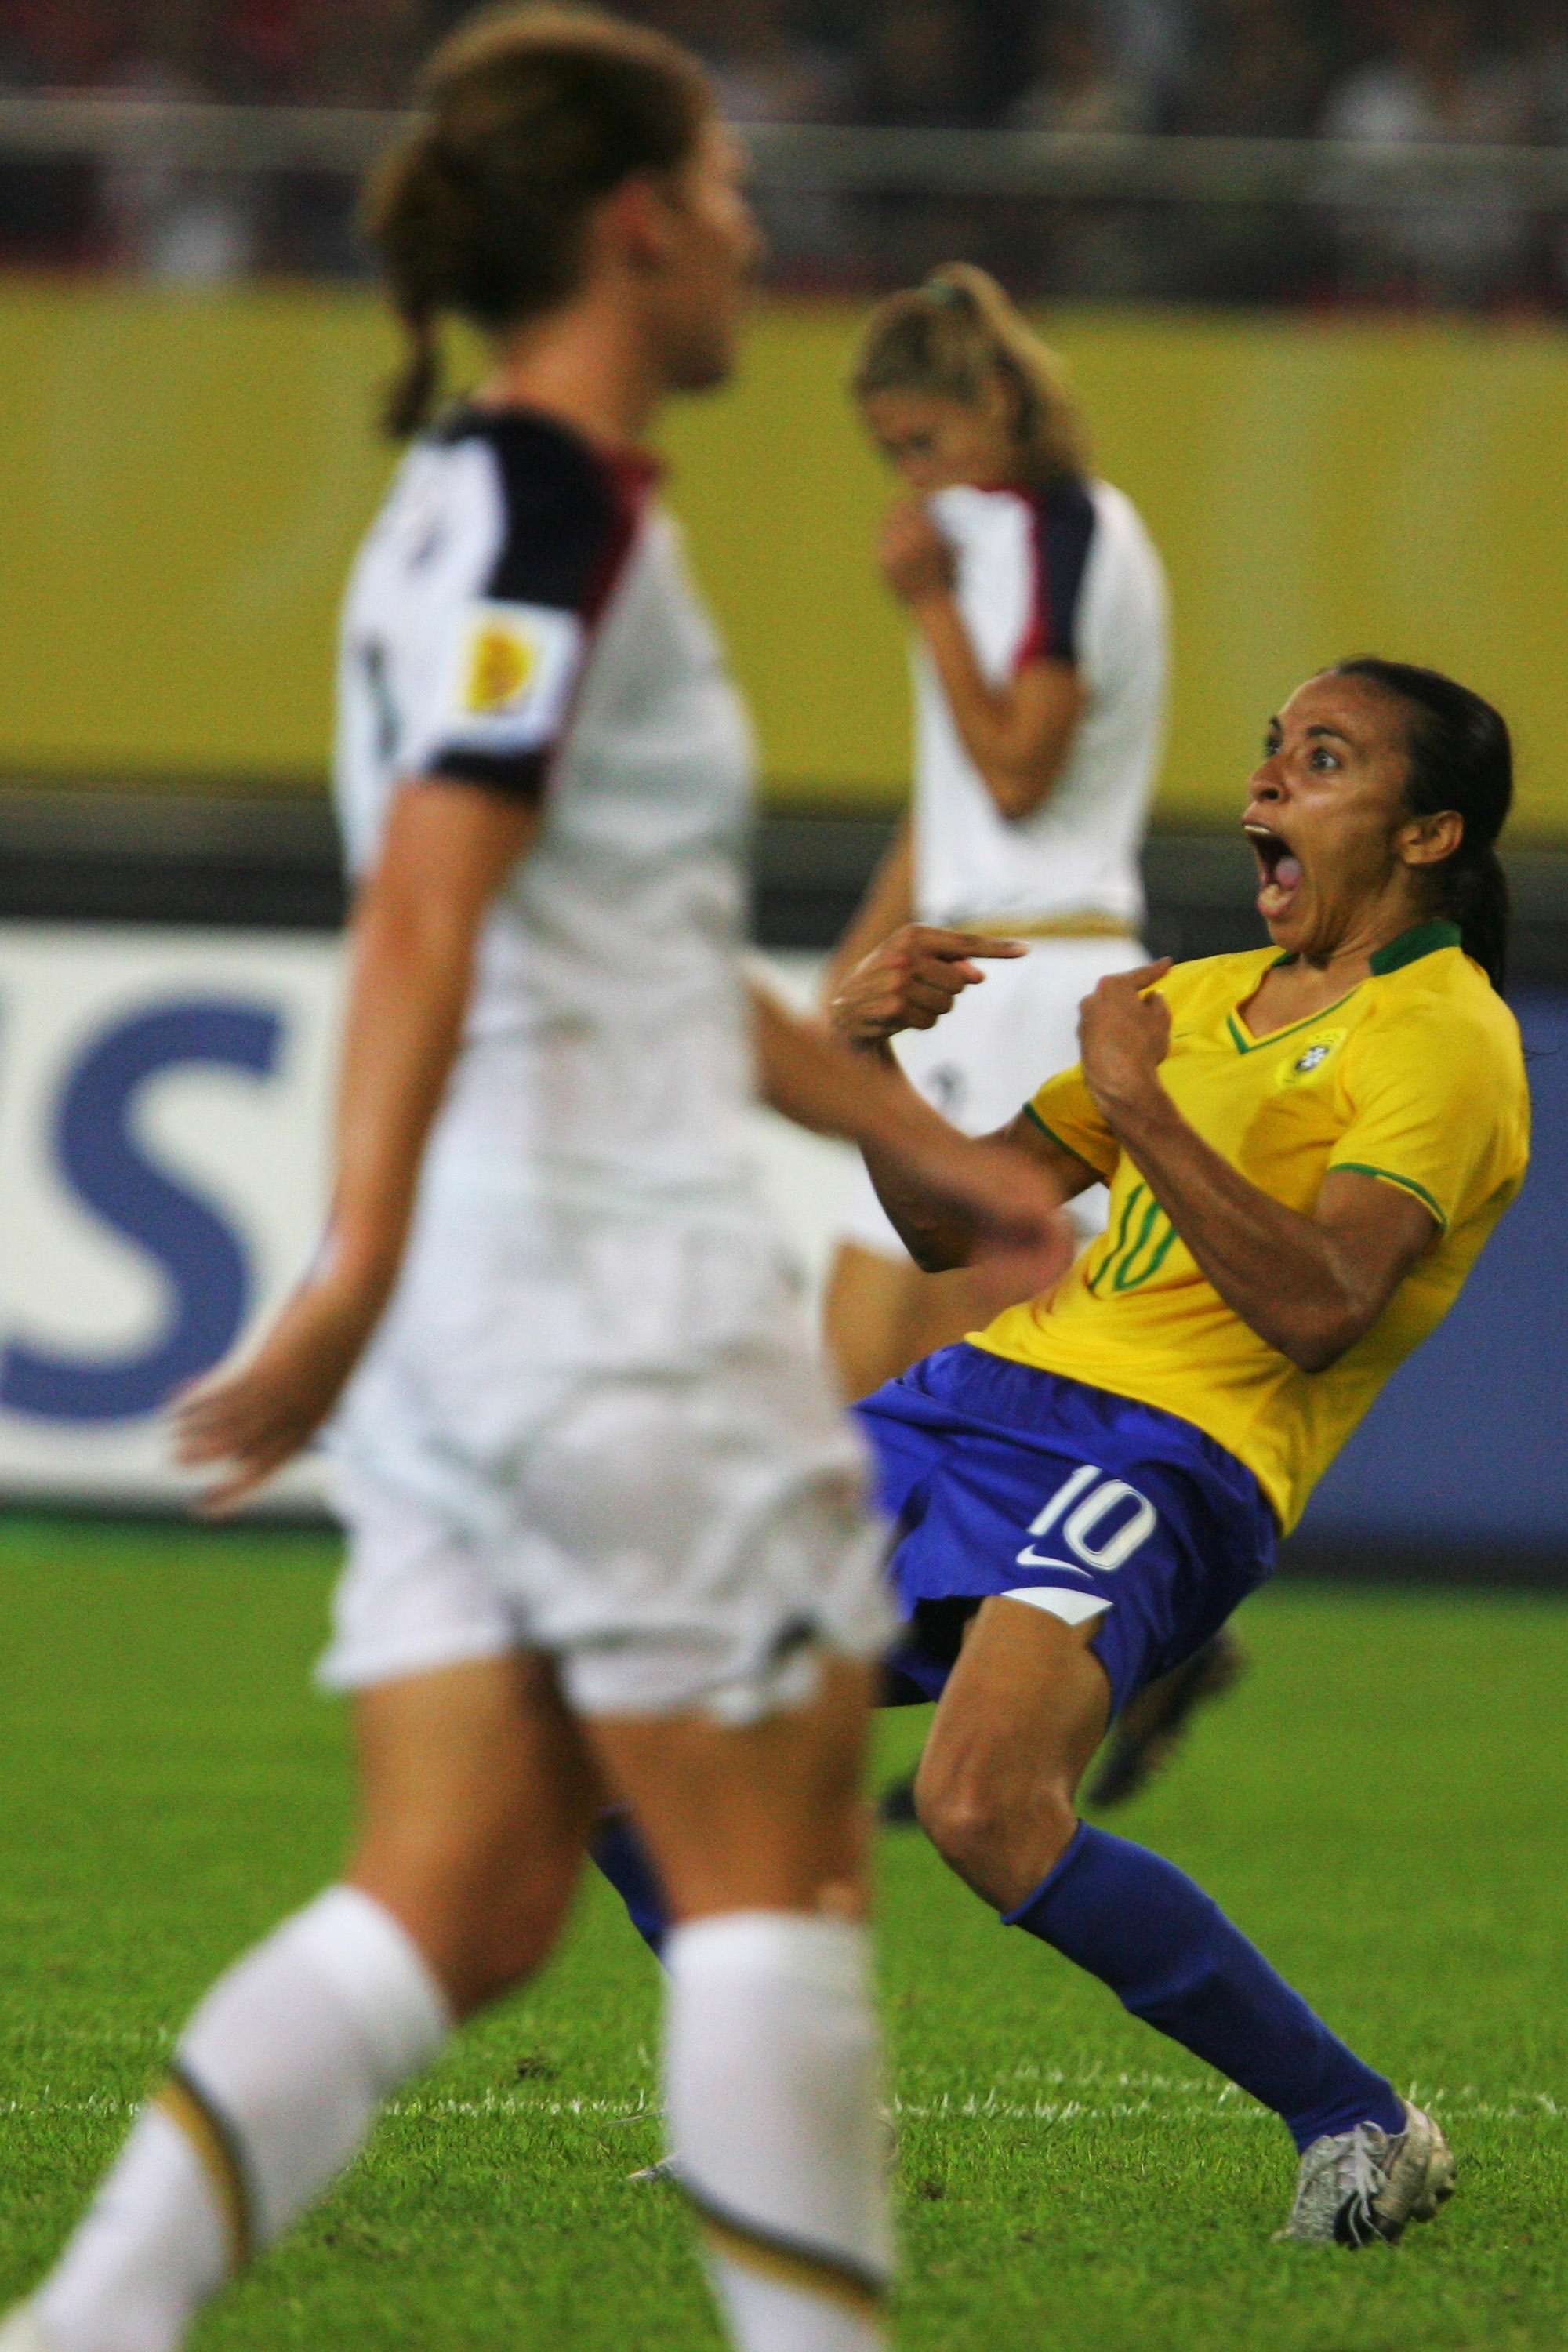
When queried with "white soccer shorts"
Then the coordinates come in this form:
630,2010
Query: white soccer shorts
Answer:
677,1516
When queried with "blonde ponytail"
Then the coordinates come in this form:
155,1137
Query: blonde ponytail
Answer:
953,336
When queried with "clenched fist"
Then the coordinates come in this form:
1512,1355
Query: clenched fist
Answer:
1123,1032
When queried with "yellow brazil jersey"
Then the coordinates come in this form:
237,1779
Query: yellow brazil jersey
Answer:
1416,1077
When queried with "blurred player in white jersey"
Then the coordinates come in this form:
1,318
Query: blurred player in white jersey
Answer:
607,1531
1040,659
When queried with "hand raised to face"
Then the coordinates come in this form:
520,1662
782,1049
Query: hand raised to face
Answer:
914,558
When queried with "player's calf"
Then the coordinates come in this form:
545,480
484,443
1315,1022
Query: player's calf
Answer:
273,2087
771,2078
771,2047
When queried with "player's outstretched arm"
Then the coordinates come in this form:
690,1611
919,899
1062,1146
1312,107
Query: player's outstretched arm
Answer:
889,904
941,1235
1311,1286
960,1198
447,850
909,983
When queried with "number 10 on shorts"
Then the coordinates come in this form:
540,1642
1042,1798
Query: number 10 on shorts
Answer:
1081,1507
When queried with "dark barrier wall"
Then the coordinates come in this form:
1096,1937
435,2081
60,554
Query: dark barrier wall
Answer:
1468,1448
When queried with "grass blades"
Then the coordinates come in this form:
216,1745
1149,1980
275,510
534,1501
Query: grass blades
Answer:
1381,1806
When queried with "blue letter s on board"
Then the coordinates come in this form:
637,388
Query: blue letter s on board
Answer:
197,1251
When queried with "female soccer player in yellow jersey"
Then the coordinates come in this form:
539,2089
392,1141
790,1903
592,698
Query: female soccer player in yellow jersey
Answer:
606,1522
1306,1146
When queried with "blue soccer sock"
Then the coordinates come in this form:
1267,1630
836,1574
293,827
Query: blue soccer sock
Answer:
1172,1957
621,1856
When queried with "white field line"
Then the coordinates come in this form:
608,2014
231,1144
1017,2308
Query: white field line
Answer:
1115,2097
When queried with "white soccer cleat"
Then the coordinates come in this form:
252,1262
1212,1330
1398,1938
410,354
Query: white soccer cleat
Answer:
1360,2185
20,2332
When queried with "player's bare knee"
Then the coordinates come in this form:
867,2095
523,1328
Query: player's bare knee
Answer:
1000,1840
485,1910
964,1815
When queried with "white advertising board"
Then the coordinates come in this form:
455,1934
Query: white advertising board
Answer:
164,1116
163,1134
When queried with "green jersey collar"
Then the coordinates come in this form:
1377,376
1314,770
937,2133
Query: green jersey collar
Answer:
1422,940
1425,939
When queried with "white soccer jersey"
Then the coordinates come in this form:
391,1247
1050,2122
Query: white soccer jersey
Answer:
592,1420
1070,572
520,618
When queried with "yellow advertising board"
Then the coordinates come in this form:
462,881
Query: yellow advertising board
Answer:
187,474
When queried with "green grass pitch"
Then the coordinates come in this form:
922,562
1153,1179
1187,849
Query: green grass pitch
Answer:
1383,1805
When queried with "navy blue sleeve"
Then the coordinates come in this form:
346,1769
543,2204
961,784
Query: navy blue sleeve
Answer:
565,523
570,522
1064,521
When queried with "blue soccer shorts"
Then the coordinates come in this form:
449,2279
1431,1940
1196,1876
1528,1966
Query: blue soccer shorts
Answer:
1000,1478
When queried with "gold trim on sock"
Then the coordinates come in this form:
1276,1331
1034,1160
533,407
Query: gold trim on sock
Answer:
189,2111
836,2278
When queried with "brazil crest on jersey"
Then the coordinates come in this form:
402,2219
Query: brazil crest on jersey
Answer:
1414,1077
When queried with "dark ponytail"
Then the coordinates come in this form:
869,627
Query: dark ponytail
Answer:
529,116
1460,759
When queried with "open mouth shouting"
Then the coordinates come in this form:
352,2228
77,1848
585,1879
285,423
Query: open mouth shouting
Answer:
1279,872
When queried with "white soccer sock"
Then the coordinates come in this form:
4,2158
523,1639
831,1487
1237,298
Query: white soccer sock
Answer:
152,2248
771,2088
275,2084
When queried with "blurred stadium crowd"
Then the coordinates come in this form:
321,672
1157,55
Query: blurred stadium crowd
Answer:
1489,71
